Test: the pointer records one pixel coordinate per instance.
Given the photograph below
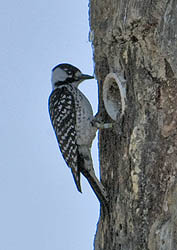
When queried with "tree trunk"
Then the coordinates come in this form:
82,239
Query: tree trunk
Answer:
138,156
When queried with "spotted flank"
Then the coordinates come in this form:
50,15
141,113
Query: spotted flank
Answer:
63,118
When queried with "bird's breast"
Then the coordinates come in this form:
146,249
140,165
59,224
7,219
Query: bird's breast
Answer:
84,115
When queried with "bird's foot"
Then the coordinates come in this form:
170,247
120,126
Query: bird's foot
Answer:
98,123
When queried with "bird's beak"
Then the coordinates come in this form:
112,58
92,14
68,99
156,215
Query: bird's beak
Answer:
86,77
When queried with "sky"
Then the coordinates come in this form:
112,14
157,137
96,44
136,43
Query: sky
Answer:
40,207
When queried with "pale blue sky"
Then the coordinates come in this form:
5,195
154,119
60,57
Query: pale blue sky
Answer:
40,208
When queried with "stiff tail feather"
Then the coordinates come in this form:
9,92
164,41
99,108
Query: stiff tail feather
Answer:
97,186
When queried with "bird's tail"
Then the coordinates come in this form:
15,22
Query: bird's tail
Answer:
97,186
86,168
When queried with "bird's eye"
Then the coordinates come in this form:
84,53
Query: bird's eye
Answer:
69,72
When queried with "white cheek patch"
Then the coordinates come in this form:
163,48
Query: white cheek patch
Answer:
58,75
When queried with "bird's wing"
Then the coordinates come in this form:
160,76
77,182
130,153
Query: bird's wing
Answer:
63,117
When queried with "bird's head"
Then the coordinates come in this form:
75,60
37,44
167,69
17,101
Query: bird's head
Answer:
67,74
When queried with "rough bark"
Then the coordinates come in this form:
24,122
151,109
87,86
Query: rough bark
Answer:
138,156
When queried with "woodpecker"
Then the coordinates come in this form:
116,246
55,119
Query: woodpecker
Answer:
71,117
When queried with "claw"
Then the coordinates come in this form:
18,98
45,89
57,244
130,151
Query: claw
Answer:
100,125
97,123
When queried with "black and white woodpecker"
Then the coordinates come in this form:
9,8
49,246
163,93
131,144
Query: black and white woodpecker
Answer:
71,116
